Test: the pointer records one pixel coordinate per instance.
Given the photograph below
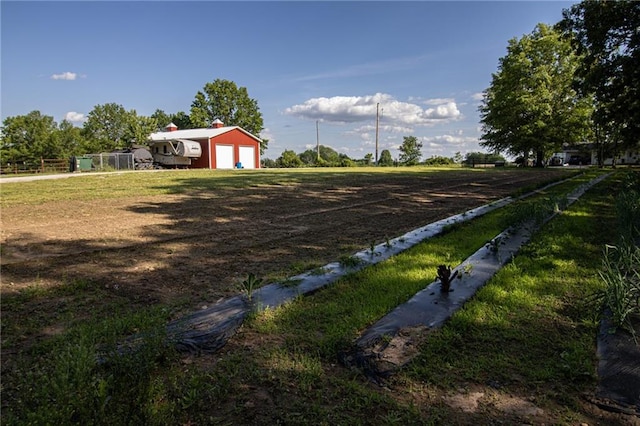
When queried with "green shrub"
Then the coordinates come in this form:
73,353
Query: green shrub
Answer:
621,276
628,207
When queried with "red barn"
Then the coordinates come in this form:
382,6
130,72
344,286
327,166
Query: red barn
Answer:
223,147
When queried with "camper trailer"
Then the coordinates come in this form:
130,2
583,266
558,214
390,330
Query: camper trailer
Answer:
175,152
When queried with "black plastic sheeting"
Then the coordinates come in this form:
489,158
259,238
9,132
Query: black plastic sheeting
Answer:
208,330
393,340
618,369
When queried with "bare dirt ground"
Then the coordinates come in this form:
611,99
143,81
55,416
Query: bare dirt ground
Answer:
198,246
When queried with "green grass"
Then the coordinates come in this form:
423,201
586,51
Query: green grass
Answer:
620,297
528,332
202,182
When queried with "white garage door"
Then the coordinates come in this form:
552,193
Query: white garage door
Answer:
224,157
248,157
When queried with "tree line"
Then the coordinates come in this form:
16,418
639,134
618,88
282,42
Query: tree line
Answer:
410,155
574,82
324,156
577,81
109,127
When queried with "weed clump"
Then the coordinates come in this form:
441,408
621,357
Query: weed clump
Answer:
249,285
350,261
446,277
621,276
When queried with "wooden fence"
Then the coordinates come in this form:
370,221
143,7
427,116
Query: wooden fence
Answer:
45,165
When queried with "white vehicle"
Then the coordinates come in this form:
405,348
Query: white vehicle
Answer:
175,152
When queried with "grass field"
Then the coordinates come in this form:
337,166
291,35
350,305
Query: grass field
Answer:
522,351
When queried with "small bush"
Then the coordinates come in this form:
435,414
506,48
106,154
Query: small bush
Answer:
621,276
536,211
249,285
628,207
350,261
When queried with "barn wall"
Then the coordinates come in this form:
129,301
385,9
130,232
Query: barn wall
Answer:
203,161
236,138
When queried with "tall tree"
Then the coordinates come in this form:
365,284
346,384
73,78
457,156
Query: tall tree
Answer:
309,157
106,127
328,156
385,159
180,119
69,139
139,128
607,34
531,105
162,118
410,151
224,100
289,159
27,138
482,158
368,159
110,126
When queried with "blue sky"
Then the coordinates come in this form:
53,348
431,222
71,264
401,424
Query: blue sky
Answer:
426,63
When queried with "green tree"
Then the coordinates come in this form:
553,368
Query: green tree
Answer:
162,118
69,139
139,128
410,151
268,163
437,160
224,100
180,119
457,158
107,127
345,161
482,158
329,157
289,159
309,157
368,159
606,33
27,138
385,159
531,105
110,126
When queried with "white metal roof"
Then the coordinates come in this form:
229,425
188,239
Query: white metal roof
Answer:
207,133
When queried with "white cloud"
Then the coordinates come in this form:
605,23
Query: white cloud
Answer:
352,109
74,117
453,140
449,144
446,111
477,96
382,128
65,76
266,133
438,101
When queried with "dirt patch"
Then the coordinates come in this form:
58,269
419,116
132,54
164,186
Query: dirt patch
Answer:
192,249
198,245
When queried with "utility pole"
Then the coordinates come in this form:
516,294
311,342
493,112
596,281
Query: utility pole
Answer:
377,122
318,140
